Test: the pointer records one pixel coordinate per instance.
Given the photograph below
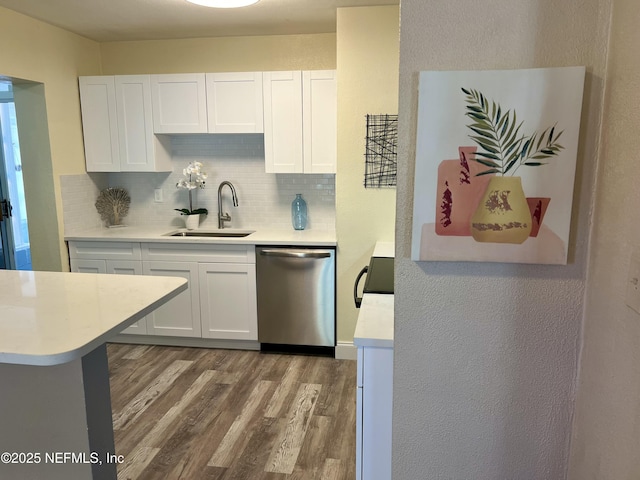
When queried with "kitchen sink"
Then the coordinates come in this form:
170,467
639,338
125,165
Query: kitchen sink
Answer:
214,234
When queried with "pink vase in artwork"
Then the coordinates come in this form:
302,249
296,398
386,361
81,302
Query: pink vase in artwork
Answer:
538,207
458,193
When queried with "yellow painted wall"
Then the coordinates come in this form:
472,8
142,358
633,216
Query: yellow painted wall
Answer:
224,54
368,53
35,51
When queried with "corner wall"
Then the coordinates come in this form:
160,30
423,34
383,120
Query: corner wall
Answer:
368,56
607,425
486,354
42,53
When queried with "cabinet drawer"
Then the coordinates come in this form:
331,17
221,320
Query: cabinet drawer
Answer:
104,250
171,252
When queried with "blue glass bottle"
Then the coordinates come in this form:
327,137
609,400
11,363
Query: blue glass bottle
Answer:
299,212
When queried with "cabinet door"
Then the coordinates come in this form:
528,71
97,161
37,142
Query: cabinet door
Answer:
234,102
88,266
179,317
125,267
228,301
283,122
99,123
319,121
140,150
375,381
179,103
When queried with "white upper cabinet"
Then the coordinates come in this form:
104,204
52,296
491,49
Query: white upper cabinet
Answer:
100,123
300,112
283,122
140,149
234,102
207,103
117,126
320,115
179,103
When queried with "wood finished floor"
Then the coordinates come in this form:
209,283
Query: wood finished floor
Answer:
206,414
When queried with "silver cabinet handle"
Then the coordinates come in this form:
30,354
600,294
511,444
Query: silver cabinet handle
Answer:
294,254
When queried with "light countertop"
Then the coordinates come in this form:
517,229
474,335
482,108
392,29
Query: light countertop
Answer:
49,318
374,327
384,249
375,321
261,236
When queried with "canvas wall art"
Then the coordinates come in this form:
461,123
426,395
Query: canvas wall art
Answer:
495,165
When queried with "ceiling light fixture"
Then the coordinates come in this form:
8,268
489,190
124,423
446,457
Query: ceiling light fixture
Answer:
224,3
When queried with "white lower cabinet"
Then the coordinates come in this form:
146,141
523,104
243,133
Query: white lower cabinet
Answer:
88,266
374,402
121,258
220,302
118,267
228,301
179,317
128,267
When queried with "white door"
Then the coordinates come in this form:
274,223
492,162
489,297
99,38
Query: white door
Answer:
228,301
99,123
234,102
180,316
127,267
320,114
283,122
179,103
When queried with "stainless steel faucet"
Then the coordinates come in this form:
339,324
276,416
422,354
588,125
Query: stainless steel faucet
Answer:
225,217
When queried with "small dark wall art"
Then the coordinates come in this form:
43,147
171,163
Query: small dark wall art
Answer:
495,164
381,151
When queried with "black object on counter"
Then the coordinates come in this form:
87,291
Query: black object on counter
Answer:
379,278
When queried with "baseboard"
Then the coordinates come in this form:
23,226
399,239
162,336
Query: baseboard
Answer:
343,351
186,342
346,351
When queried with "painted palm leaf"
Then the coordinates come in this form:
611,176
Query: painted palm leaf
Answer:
503,147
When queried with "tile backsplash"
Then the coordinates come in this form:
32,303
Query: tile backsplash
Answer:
264,198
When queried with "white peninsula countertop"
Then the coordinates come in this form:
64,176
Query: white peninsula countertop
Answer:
54,368
259,236
49,318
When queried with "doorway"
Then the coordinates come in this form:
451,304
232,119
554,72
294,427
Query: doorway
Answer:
15,248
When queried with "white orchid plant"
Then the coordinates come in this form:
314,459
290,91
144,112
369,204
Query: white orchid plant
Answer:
194,178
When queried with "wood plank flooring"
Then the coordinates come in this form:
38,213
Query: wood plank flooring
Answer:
208,414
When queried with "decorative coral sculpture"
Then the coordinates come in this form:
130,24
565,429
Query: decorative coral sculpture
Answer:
113,205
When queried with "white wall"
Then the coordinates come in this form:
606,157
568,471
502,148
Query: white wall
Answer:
486,355
606,435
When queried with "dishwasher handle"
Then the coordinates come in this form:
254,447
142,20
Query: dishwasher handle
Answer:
294,254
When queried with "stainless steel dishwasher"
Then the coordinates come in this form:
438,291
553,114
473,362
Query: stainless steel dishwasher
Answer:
296,290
